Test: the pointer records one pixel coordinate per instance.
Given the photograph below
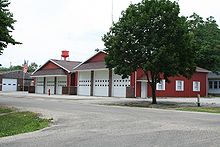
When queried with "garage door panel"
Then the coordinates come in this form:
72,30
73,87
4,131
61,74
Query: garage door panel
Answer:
84,83
119,85
9,84
39,85
61,82
101,83
50,84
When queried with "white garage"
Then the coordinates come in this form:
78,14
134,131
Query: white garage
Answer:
9,84
84,83
39,85
119,85
50,84
61,82
101,83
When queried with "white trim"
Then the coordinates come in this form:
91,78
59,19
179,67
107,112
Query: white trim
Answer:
182,85
194,89
92,69
51,60
59,65
141,80
49,76
162,83
40,67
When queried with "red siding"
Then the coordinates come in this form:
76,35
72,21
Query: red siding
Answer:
140,73
132,81
68,80
170,88
138,89
50,65
98,57
75,79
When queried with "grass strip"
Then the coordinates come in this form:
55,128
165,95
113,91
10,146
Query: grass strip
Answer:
170,106
21,122
200,109
4,109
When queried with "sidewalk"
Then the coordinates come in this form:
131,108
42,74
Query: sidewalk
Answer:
203,101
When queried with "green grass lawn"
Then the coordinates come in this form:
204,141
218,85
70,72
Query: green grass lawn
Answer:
13,122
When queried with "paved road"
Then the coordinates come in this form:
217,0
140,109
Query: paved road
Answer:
82,123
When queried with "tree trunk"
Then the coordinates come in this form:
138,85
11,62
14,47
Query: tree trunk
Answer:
153,87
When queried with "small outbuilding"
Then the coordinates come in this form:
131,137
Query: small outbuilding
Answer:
15,81
214,83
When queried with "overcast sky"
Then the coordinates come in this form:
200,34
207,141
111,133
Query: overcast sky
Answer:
45,27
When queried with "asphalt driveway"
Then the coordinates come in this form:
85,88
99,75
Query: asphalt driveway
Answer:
81,122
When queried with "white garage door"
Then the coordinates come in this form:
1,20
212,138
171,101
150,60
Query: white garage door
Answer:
39,85
61,82
101,83
119,85
50,84
84,81
9,84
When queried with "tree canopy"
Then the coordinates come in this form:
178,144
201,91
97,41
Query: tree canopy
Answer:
206,41
150,35
6,26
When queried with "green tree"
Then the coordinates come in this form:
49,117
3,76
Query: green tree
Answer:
206,41
32,67
16,67
150,35
6,26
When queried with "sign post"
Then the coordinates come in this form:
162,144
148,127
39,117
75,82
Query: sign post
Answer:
198,100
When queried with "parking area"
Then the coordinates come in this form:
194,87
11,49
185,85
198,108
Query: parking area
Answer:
214,101
80,121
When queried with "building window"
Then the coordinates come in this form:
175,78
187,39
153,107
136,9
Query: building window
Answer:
179,85
210,85
196,86
161,85
215,84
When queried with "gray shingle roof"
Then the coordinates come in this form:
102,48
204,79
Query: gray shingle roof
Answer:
15,75
44,72
69,65
212,75
64,66
199,69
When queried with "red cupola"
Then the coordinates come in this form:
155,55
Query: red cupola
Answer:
65,54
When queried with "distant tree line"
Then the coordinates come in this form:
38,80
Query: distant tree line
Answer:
31,68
